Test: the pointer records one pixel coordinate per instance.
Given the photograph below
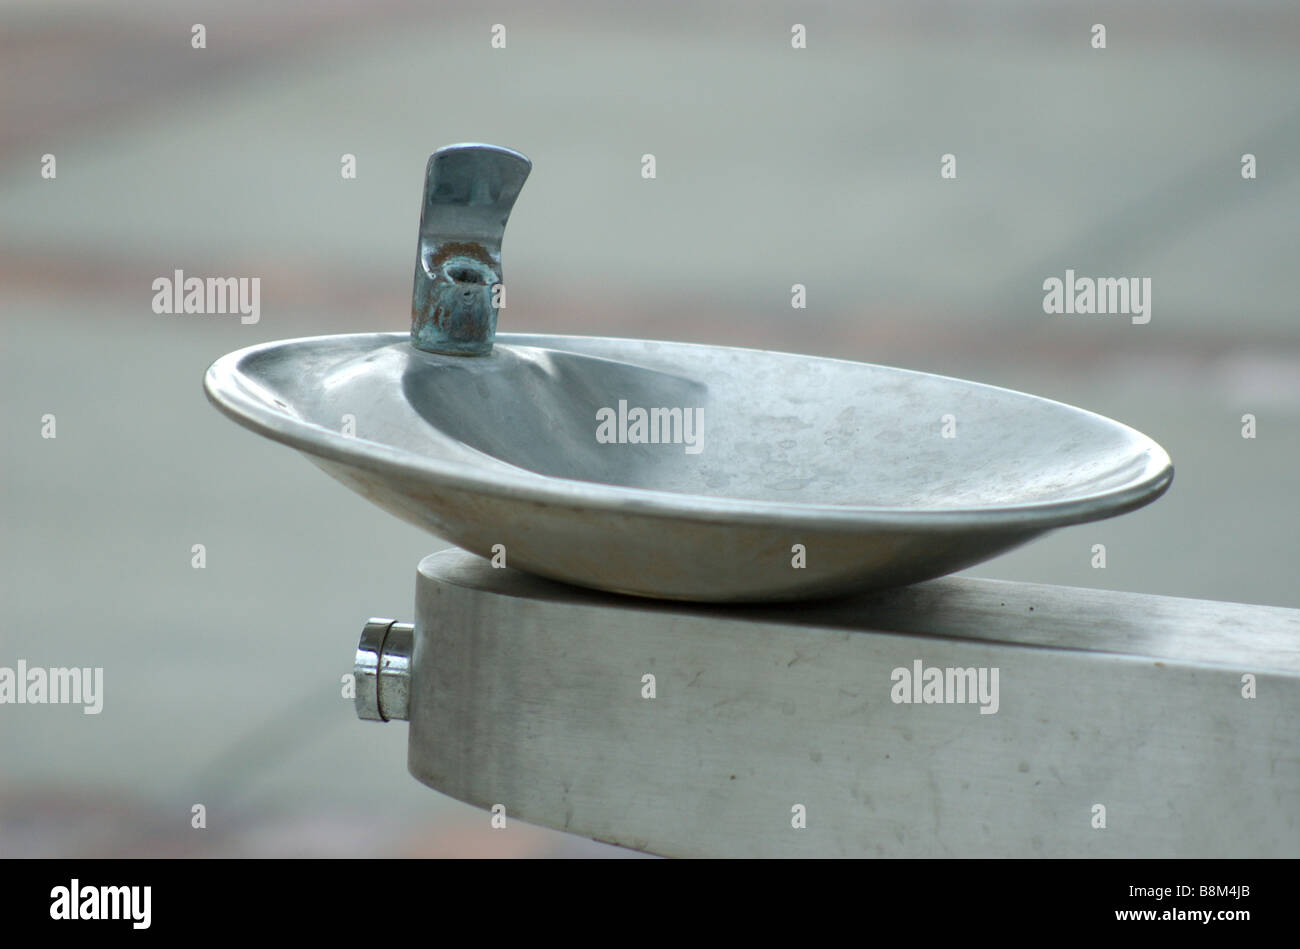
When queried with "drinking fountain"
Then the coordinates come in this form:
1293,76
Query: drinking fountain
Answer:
688,576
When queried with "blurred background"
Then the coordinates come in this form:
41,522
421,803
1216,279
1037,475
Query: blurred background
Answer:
775,166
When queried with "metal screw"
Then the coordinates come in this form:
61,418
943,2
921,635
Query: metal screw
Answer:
383,670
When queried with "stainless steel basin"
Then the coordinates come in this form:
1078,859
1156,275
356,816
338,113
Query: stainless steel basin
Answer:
799,477
667,469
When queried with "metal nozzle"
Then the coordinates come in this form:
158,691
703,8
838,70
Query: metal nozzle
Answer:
468,193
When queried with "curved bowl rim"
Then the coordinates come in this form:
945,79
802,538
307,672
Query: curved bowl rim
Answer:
226,385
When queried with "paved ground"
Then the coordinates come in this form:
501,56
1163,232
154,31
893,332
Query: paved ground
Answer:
775,166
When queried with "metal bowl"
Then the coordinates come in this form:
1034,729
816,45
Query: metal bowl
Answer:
781,477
